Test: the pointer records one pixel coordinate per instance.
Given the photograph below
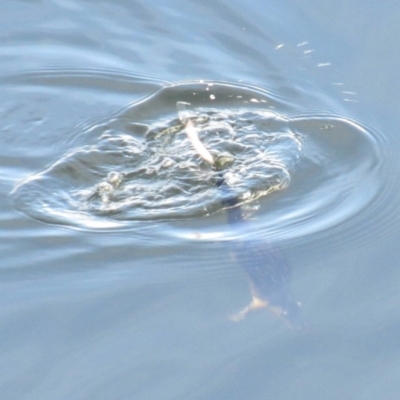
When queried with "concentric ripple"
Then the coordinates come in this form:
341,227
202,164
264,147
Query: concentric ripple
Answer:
137,168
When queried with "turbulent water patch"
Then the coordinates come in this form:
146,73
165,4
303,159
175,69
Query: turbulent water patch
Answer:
138,166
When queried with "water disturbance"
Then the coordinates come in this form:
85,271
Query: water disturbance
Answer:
137,168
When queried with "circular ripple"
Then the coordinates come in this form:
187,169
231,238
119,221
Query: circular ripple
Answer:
138,168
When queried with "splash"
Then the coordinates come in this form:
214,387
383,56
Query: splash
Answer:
139,167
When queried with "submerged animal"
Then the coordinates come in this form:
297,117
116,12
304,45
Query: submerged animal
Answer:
266,267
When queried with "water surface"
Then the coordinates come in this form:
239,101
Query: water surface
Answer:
130,295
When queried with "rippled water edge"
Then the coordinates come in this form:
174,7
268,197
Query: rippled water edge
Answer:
333,165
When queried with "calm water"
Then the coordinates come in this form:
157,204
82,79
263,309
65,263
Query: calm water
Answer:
123,286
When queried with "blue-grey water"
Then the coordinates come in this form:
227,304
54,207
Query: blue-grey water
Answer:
118,277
